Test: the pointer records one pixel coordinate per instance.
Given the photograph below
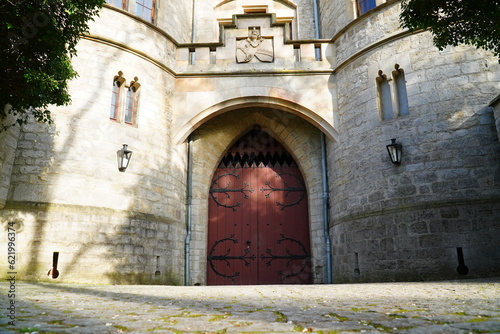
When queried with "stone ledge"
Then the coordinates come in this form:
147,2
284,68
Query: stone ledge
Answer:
67,208
416,207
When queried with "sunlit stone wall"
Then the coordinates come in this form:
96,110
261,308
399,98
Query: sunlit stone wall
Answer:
66,194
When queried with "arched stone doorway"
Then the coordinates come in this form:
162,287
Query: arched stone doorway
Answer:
258,221
210,143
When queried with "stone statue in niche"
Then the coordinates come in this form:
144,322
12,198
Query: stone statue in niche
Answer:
255,46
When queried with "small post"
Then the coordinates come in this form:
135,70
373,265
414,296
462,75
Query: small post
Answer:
357,273
462,268
54,273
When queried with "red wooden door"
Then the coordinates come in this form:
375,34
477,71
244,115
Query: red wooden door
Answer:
258,229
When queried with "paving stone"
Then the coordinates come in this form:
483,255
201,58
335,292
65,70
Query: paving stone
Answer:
466,306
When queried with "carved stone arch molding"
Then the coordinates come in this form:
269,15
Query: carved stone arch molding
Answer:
211,141
289,106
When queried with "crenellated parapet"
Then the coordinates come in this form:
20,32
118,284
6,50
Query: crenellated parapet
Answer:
255,43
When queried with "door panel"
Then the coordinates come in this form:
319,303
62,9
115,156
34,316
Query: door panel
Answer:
229,254
258,229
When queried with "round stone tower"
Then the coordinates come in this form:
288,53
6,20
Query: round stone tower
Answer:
436,214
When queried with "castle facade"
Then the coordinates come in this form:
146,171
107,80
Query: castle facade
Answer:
259,133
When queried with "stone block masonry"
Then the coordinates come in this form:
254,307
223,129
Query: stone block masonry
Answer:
417,243
407,222
95,244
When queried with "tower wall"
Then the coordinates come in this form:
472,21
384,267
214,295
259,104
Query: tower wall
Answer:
407,222
176,17
66,193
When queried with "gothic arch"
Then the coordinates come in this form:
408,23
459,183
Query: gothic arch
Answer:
269,102
211,141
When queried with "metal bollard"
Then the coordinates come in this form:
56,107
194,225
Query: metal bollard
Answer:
54,273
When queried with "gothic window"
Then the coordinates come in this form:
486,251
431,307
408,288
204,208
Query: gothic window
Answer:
392,94
131,104
363,6
124,100
115,101
400,94
146,9
118,3
384,97
116,95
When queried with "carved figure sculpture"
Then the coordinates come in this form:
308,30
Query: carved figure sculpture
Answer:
255,45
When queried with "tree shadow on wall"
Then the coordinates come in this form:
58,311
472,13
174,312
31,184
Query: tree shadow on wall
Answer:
57,173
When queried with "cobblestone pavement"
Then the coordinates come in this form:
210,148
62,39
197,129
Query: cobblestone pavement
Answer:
467,306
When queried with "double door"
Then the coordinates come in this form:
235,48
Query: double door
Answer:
258,230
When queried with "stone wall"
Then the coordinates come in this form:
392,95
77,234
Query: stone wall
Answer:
210,13
134,36
176,18
334,15
337,15
302,85
66,193
56,164
406,222
495,105
8,142
95,245
418,243
306,19
179,25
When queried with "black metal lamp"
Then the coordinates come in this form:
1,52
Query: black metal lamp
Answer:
123,157
395,151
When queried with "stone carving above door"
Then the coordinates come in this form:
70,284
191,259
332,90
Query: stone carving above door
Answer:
255,47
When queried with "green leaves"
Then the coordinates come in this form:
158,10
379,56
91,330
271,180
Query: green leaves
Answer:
38,39
454,22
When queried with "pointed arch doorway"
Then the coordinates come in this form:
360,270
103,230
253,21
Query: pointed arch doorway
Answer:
258,227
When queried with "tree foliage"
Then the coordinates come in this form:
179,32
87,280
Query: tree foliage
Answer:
454,22
38,39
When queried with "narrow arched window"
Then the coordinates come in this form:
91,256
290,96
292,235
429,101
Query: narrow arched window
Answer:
400,94
384,97
132,101
116,94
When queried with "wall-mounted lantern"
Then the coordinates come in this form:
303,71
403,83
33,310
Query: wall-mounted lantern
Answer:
123,157
395,151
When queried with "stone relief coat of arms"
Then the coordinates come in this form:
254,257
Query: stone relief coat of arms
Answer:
255,46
